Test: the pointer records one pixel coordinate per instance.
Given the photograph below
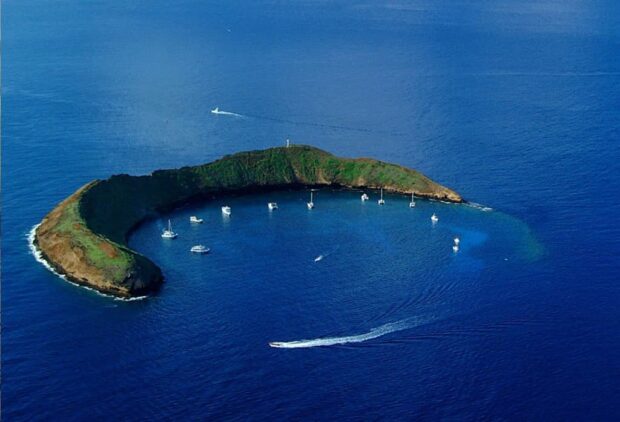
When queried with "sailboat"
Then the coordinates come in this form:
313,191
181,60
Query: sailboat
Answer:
364,197
434,218
412,203
311,203
168,233
272,206
381,201
226,210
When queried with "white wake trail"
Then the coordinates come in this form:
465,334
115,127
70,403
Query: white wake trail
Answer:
359,338
226,113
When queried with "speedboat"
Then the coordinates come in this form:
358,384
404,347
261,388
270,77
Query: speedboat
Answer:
226,210
412,203
381,201
272,206
434,218
216,110
168,233
199,249
311,203
318,258
364,197
194,219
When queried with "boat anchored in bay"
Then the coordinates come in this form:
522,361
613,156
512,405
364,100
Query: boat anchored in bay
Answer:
168,233
381,201
199,249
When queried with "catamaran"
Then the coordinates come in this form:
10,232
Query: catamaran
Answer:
194,219
168,233
364,197
381,201
272,206
311,203
412,203
226,210
434,218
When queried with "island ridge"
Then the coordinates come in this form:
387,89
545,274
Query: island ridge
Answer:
85,237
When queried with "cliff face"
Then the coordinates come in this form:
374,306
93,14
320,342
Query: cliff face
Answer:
84,237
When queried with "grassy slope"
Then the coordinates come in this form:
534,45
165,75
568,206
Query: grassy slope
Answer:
109,209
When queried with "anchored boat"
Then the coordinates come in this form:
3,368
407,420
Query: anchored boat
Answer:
168,233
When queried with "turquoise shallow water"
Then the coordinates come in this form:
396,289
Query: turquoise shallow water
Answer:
513,104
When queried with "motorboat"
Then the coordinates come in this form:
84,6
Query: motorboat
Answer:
412,203
226,210
196,220
168,233
364,197
199,249
457,241
272,206
311,203
216,110
381,201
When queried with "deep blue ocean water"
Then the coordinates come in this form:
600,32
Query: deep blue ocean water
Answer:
514,104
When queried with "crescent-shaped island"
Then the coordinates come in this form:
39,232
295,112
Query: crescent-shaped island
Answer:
85,237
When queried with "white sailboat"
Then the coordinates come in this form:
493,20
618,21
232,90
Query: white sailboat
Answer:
199,249
381,201
364,197
457,241
226,210
196,220
168,233
412,203
311,203
434,218
272,206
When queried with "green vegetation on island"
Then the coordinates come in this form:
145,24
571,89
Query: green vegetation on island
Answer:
85,236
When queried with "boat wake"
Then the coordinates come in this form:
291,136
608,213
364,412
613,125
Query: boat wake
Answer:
359,338
226,113
38,256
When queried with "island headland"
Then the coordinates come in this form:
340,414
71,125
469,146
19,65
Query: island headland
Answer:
85,237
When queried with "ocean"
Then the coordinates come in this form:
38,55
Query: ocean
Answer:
513,104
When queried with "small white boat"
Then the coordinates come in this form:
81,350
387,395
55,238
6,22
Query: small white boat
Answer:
318,258
457,241
168,233
216,110
455,248
412,203
226,210
434,218
196,220
199,249
311,203
272,206
364,197
381,201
